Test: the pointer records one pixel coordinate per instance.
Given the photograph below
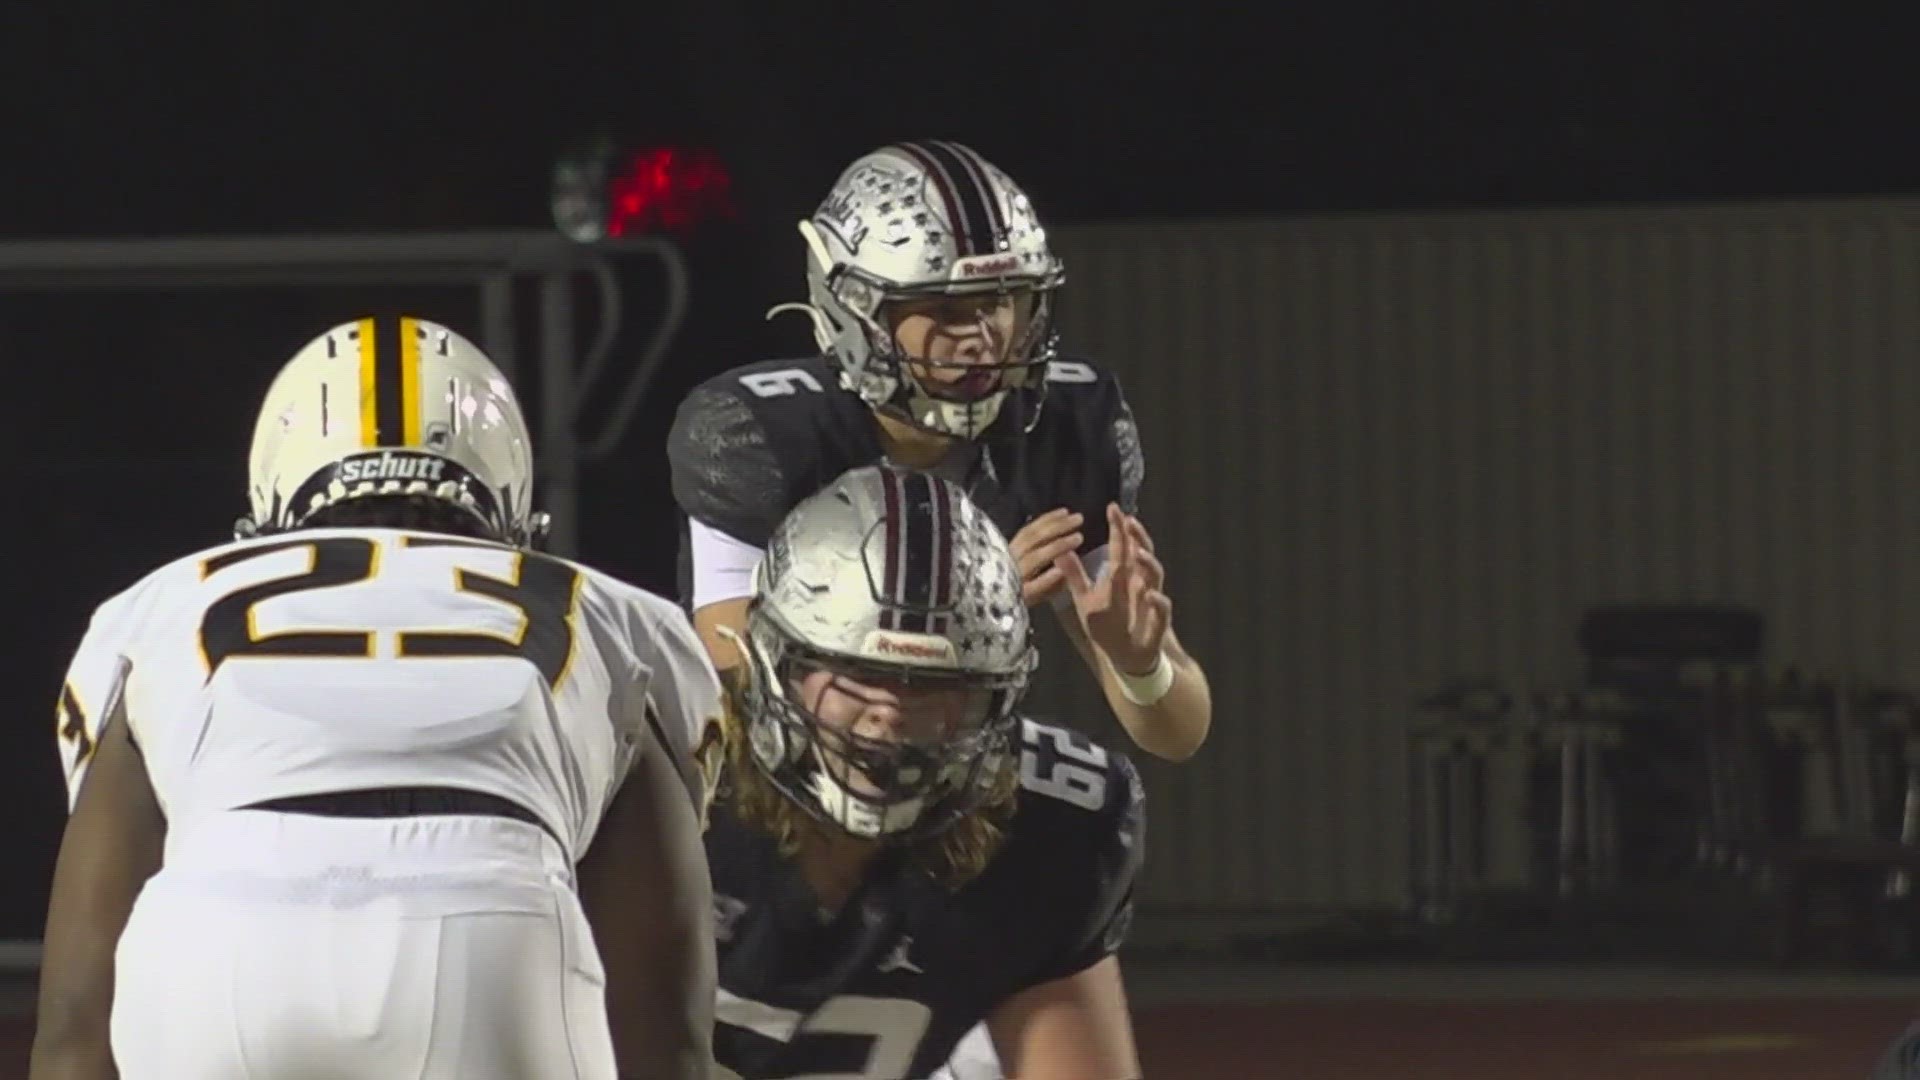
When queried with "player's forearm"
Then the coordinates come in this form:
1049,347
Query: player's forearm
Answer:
672,1065
1176,724
60,1058
662,1037
662,1026
1174,727
73,1017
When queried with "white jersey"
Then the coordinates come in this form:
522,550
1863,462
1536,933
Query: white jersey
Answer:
337,659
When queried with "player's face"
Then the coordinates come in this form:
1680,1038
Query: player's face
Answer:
961,338
880,713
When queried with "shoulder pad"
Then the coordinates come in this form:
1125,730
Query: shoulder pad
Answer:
751,442
97,672
725,469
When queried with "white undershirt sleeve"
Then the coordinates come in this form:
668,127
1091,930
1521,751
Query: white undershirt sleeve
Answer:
722,566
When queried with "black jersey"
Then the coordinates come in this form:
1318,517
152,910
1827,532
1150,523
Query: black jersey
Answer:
886,987
751,443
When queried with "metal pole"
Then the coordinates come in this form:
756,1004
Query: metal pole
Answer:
558,451
497,322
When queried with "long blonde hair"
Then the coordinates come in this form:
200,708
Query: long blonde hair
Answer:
952,857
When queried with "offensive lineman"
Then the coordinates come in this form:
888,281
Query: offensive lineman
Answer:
930,287
897,856
376,790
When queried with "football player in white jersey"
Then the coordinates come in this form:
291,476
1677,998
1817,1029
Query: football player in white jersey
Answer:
376,790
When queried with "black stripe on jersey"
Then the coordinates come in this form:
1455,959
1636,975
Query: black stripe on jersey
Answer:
389,393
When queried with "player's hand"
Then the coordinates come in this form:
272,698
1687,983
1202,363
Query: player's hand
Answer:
1125,613
1038,545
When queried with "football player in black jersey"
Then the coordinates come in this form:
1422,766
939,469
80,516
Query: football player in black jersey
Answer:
931,287
897,856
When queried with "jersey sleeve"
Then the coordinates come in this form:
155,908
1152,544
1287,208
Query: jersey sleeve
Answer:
720,567
1124,467
1085,452
1117,466
726,472
683,691
96,677
1097,906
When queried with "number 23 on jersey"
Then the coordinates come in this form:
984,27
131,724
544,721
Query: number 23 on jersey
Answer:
543,591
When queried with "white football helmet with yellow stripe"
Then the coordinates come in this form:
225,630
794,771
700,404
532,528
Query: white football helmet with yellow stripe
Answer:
393,407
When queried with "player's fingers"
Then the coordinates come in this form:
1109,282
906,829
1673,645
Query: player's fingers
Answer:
1074,572
1119,546
1041,557
1151,572
1041,587
1137,591
1159,616
1046,527
1137,529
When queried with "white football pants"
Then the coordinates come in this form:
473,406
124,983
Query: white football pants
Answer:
291,947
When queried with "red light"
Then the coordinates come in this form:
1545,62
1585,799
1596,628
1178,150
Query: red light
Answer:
672,190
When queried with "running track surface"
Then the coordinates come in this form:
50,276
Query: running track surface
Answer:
1773,1038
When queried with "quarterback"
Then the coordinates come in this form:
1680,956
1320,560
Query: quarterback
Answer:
930,287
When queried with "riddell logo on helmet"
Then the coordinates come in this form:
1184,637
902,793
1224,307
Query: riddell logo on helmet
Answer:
987,267
391,466
910,648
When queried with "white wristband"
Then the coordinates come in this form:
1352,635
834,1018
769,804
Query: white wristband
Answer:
1145,689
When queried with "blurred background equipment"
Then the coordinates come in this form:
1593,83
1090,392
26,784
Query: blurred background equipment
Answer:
601,191
1684,799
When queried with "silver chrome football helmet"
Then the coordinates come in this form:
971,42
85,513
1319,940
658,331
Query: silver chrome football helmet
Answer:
894,579
916,220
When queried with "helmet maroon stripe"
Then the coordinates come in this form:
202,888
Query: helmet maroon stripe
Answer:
896,563
965,231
